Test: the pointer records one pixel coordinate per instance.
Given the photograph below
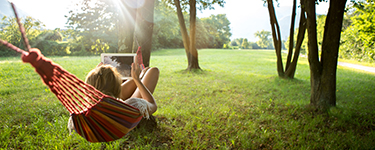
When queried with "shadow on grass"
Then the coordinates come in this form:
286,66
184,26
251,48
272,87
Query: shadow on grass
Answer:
192,71
254,111
156,132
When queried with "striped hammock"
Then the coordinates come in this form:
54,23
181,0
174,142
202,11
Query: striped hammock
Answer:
108,120
96,116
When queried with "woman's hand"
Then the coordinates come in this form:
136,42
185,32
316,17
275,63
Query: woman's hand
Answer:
136,70
100,64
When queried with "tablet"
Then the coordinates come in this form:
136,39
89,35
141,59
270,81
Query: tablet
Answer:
121,61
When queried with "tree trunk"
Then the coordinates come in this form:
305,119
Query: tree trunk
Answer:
323,73
193,50
185,36
315,66
126,26
291,35
144,30
291,69
276,37
291,64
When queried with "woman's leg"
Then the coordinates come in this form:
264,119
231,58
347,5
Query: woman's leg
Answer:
128,87
150,79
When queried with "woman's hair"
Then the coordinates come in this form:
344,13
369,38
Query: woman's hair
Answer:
106,79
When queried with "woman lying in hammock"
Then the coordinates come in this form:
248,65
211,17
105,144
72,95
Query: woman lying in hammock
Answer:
136,92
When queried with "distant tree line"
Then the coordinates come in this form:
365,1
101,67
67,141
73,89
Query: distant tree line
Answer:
357,40
264,42
212,31
48,40
99,35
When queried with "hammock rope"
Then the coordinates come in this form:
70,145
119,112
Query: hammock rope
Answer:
96,117
139,54
22,29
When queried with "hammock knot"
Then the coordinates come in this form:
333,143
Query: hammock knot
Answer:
33,56
43,66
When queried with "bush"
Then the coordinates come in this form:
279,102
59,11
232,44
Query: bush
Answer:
50,35
79,50
53,48
225,46
6,52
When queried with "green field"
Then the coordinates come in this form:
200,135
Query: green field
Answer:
236,102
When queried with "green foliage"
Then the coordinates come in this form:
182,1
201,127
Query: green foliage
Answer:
49,43
166,33
50,35
245,44
212,32
94,26
53,48
77,45
320,31
201,4
254,45
358,38
264,40
239,41
303,46
235,104
234,42
10,32
218,30
96,23
203,36
225,46
320,23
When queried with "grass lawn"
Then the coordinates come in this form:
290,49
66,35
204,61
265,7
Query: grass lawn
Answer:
236,102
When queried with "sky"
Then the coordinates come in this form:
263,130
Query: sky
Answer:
246,16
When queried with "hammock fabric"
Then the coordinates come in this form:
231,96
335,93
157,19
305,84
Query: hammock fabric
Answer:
96,116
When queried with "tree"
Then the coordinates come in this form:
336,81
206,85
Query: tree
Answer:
193,50
263,41
190,51
189,42
234,42
291,65
218,29
49,43
323,69
103,22
245,43
127,13
10,32
51,35
97,26
320,30
203,36
144,29
239,41
358,39
166,31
